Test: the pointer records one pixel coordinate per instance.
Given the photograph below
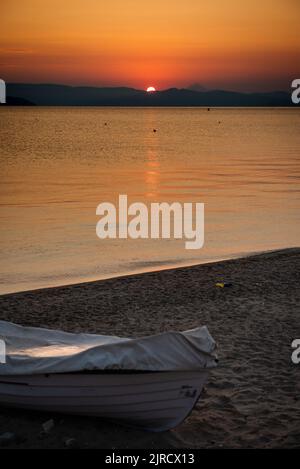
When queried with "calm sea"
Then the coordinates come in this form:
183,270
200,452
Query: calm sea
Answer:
58,164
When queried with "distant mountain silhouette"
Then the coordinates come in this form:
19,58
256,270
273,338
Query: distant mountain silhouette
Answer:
196,87
61,95
16,101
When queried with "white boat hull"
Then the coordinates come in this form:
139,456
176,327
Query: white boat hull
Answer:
151,401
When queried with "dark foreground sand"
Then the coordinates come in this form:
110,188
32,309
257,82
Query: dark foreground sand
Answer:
252,399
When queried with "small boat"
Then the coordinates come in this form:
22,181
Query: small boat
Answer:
151,382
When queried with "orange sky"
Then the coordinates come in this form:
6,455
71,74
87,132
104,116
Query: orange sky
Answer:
231,44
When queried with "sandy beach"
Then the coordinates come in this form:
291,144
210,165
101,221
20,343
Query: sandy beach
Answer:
251,400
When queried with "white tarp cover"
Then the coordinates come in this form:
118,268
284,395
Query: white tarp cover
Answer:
31,350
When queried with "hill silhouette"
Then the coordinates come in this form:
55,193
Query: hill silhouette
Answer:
16,101
63,95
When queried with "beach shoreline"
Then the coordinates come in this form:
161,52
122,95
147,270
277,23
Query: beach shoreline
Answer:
251,400
155,268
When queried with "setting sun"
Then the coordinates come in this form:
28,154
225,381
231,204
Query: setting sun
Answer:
151,89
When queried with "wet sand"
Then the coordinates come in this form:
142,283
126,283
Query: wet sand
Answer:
251,400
